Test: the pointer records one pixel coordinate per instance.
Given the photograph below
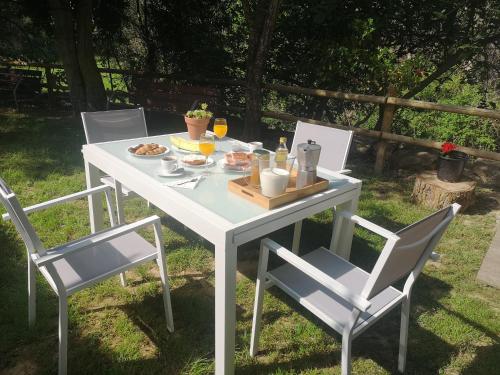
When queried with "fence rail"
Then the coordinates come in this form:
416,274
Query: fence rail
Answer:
389,102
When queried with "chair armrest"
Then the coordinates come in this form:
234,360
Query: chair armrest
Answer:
368,225
62,251
339,289
66,198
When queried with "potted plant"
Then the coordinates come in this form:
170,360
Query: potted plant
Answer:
197,121
451,163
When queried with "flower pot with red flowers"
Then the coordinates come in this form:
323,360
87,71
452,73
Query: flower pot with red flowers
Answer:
197,121
451,163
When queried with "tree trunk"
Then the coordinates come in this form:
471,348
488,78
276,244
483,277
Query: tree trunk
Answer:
261,21
433,193
66,46
94,88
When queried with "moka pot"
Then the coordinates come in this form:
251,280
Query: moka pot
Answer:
307,158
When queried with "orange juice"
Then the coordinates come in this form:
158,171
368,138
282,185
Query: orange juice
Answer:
207,149
220,130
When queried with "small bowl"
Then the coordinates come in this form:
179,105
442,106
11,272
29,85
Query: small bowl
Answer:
255,146
237,146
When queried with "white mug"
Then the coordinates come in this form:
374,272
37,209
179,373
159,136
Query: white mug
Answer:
274,181
169,163
254,146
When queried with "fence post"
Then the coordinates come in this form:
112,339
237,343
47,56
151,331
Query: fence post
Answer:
387,118
50,84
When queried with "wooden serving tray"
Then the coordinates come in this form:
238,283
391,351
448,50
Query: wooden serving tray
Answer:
242,187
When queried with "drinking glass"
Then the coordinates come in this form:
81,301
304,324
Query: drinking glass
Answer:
220,127
207,148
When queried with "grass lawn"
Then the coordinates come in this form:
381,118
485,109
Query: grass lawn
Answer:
455,322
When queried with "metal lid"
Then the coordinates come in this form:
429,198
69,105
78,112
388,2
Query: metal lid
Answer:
260,153
309,146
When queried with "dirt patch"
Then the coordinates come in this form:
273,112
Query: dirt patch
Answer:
23,367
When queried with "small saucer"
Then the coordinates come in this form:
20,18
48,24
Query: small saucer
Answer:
176,173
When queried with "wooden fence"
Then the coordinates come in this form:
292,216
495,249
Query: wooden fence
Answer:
390,103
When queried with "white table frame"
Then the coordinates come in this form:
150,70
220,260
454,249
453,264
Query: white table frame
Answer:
225,235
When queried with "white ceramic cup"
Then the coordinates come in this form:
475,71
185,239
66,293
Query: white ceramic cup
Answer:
273,181
255,146
169,164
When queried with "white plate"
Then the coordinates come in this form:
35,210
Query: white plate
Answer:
149,156
182,151
178,172
210,161
223,165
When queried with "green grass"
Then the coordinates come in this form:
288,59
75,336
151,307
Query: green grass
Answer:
455,322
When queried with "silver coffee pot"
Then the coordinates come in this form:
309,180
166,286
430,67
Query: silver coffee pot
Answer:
307,158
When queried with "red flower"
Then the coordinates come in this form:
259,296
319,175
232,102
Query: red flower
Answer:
448,147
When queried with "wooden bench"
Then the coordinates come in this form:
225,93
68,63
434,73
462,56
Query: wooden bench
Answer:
19,85
168,96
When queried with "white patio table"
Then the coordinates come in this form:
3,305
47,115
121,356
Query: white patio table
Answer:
221,217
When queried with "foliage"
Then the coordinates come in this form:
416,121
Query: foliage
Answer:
353,46
203,112
454,325
464,130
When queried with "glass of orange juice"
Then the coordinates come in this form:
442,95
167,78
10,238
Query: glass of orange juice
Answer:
220,127
207,148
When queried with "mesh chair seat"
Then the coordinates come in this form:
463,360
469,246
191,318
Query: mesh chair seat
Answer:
332,309
81,268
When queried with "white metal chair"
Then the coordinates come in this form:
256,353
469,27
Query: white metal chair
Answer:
107,126
335,145
344,296
86,261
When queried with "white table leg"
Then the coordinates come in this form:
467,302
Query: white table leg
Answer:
225,306
92,176
119,202
343,230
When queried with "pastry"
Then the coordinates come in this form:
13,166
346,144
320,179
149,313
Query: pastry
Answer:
148,149
237,158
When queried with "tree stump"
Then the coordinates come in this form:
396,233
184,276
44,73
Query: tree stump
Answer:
434,193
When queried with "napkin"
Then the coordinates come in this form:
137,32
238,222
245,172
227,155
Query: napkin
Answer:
187,183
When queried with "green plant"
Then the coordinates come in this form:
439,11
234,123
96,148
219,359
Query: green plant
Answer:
200,113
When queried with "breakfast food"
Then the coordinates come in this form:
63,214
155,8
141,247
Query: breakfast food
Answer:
148,149
184,144
195,160
238,158
237,161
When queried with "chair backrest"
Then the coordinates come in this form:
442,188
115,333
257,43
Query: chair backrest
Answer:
409,254
106,126
20,220
335,143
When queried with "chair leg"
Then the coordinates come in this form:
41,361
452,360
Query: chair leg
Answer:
297,231
31,292
346,353
403,334
63,334
121,218
259,299
167,302
123,279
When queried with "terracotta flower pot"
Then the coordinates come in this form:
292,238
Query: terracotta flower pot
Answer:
196,126
451,166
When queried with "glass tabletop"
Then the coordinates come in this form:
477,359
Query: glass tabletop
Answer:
212,192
